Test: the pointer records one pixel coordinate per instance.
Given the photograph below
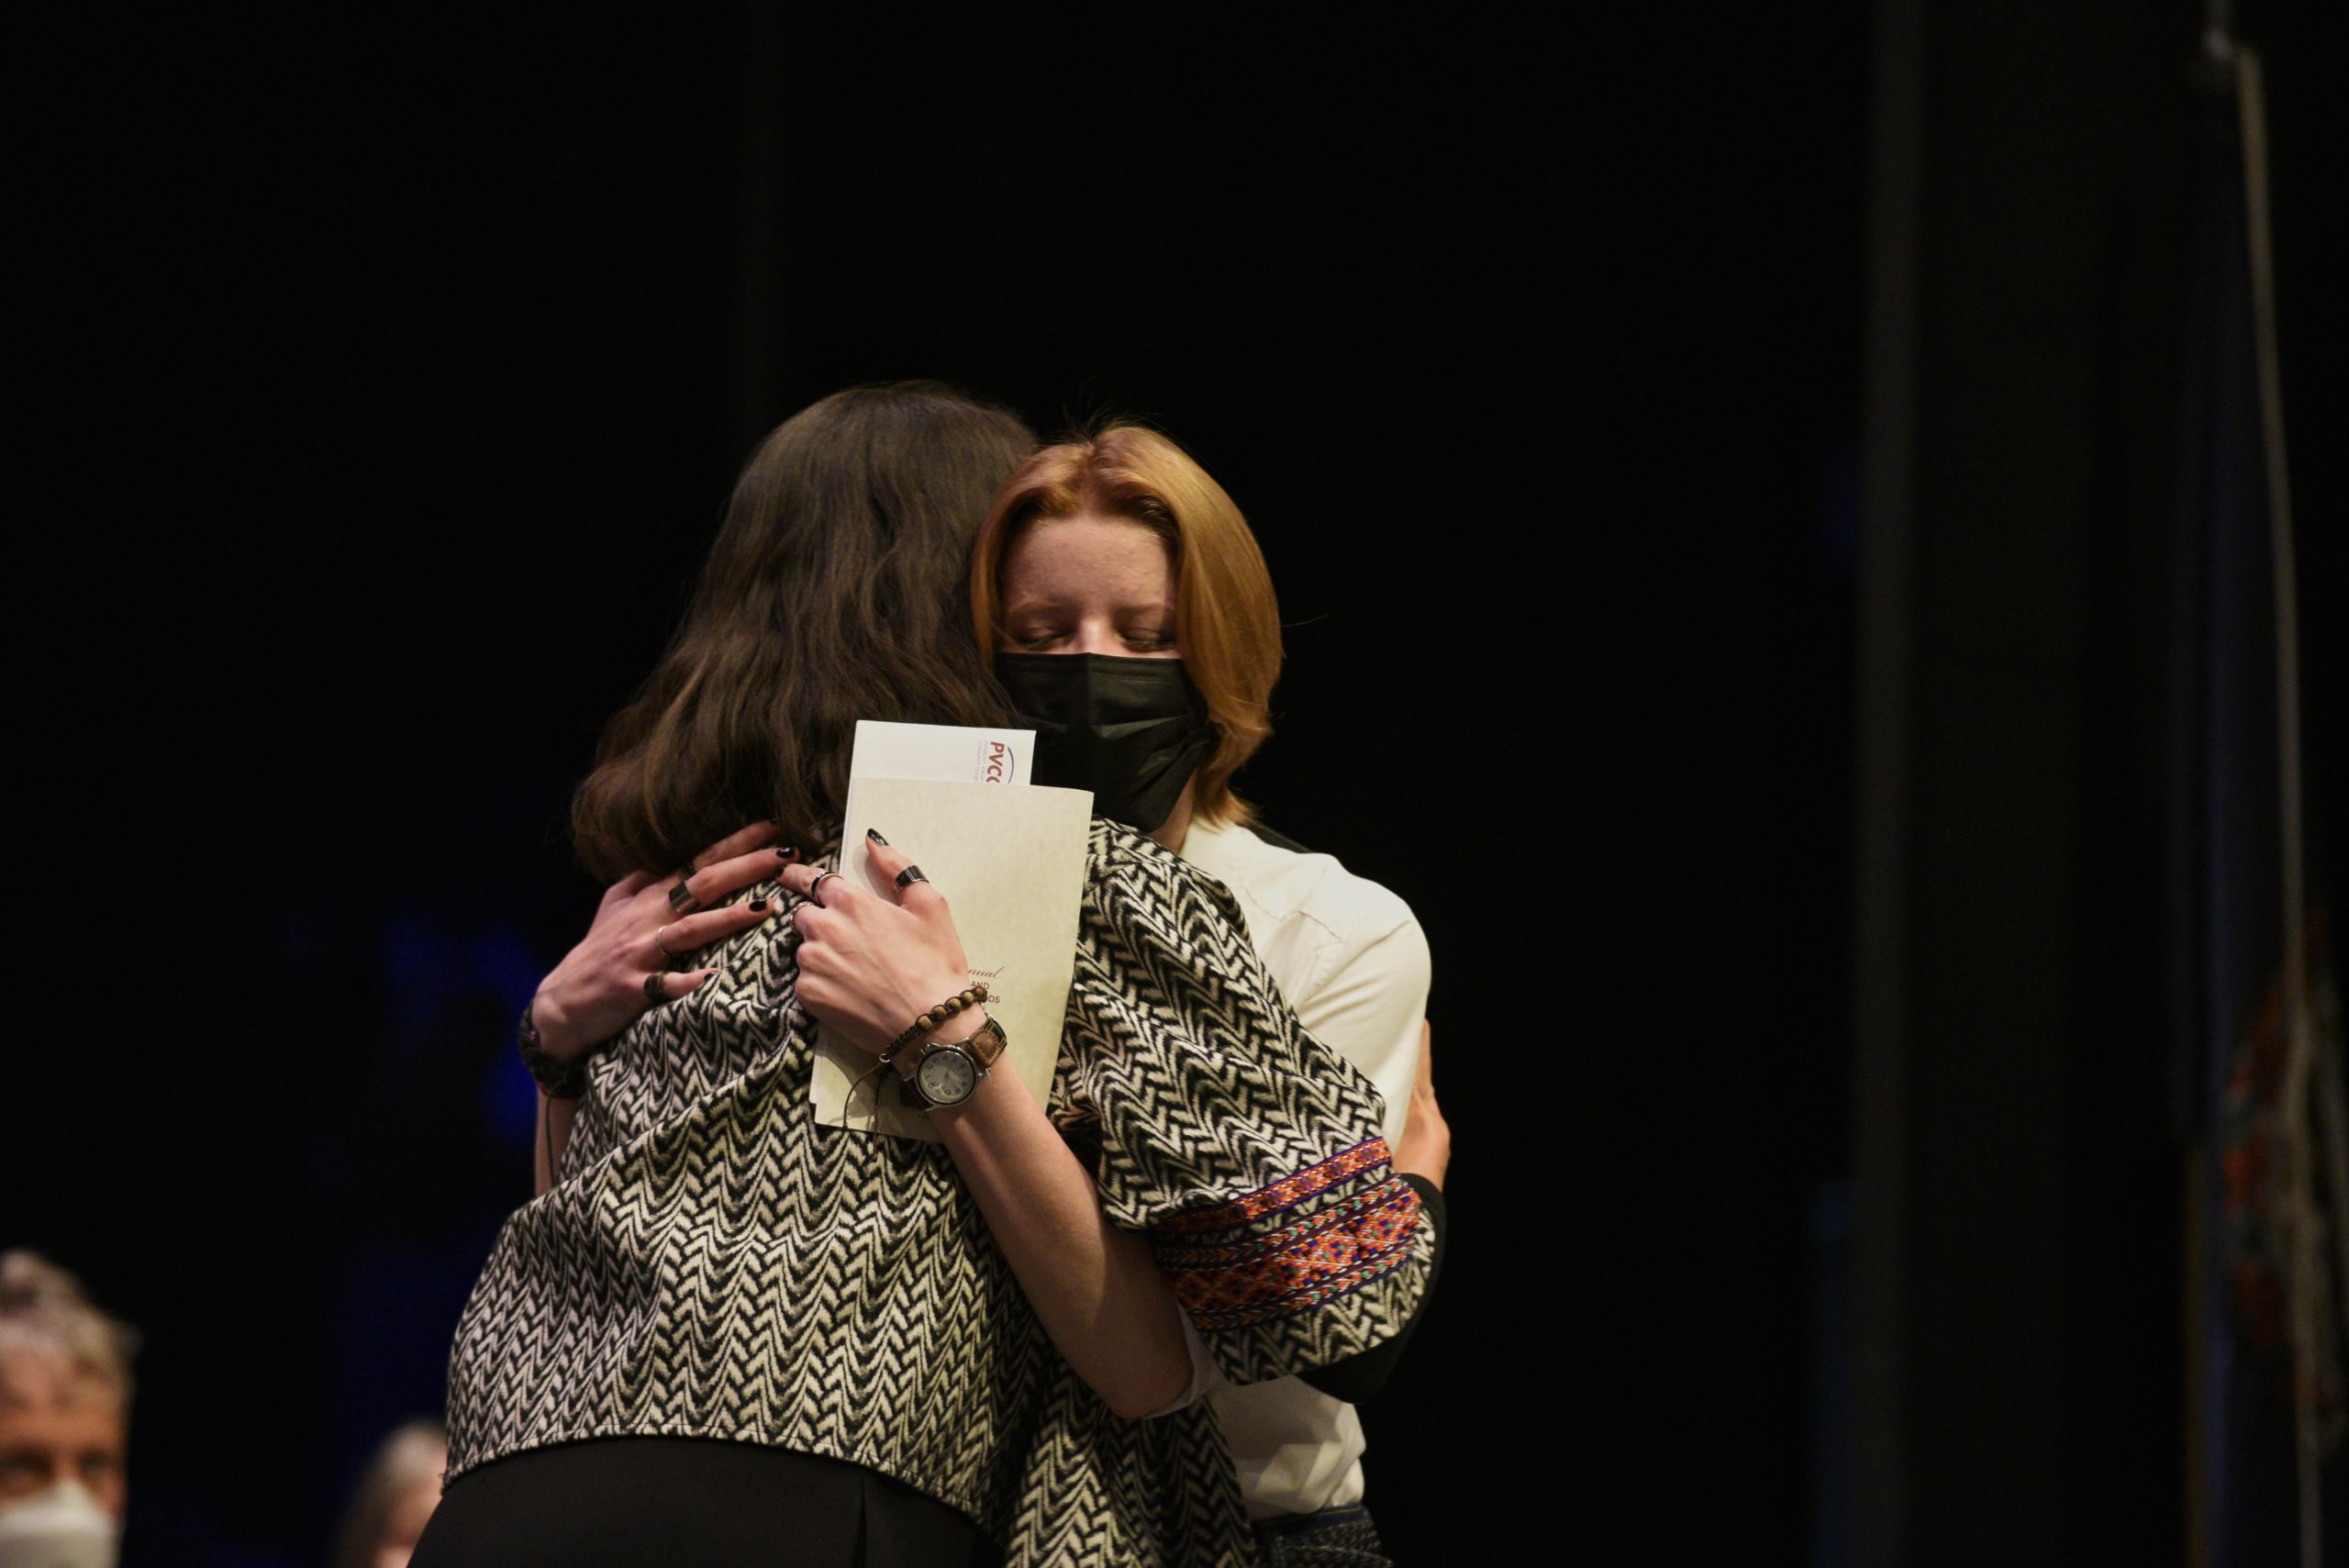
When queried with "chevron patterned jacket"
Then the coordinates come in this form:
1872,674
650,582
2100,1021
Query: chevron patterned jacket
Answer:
711,1264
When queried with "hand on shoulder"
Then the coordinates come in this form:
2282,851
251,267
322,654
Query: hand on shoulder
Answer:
644,924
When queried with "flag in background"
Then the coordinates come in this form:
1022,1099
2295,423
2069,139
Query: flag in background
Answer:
2258,1042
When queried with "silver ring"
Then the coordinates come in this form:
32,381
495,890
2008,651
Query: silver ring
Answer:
664,946
910,875
655,992
682,899
812,886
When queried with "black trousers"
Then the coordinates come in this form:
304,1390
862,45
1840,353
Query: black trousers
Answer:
1334,1537
690,1502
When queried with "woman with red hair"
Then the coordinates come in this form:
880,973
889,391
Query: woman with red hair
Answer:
1134,624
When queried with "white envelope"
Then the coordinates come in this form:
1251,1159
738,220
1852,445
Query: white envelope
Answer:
1011,864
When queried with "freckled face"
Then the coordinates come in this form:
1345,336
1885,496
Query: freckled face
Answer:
1089,584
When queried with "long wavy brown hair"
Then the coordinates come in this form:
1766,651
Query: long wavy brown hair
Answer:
834,592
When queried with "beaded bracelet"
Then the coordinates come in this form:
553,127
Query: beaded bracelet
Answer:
561,1080
935,1016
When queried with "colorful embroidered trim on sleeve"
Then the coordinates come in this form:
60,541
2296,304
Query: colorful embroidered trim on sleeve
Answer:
1293,1246
1369,1156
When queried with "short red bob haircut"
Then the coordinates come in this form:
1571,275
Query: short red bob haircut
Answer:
1228,624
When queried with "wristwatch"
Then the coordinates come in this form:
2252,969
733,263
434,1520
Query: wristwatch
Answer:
947,1072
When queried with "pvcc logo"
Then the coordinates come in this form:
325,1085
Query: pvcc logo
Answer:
996,763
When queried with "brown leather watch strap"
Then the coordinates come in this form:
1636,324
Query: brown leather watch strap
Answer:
986,1044
985,1047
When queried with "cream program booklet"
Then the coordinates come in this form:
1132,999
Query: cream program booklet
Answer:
1011,864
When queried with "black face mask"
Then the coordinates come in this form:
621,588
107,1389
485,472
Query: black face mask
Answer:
1131,730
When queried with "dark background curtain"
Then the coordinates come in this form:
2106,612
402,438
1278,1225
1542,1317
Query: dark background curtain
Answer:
389,372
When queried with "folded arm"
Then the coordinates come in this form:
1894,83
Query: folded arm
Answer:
871,962
1249,1151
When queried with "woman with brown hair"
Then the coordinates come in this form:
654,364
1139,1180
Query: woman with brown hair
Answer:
724,1333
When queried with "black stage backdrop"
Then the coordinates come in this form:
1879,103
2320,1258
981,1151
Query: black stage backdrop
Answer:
395,370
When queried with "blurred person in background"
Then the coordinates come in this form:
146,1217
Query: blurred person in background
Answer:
396,1496
65,1419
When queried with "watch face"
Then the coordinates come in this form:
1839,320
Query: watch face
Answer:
946,1077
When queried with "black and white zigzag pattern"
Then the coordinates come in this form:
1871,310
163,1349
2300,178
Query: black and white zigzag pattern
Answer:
713,1264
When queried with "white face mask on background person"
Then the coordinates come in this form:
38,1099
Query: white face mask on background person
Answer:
61,1527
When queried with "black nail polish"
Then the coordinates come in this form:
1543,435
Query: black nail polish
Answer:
758,905
876,838
784,854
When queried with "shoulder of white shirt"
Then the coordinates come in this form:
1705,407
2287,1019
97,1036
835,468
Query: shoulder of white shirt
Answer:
1287,885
